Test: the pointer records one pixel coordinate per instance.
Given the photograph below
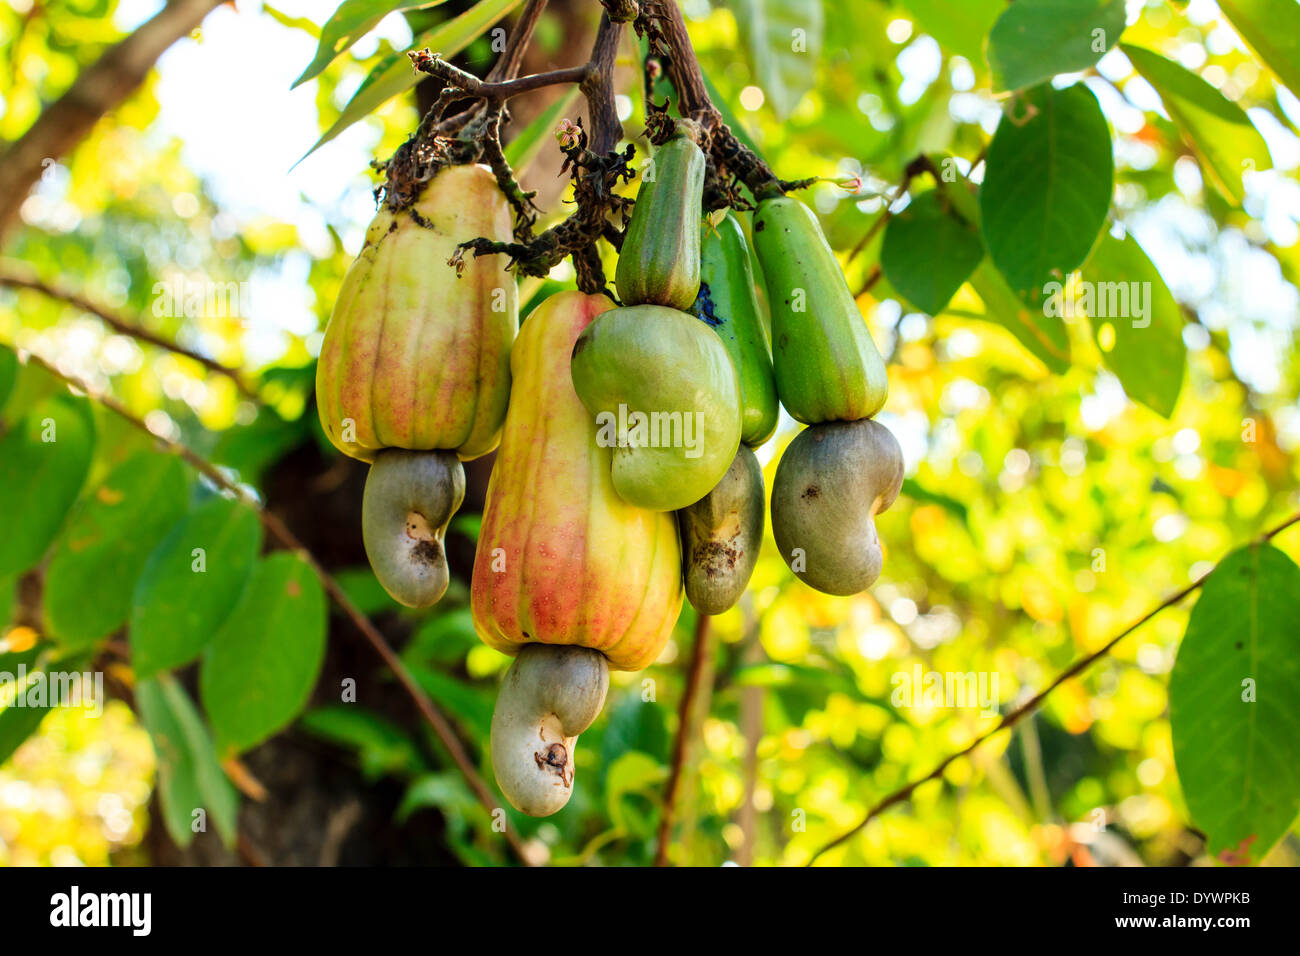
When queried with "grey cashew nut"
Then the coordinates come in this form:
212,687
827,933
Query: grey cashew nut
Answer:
833,480
550,694
409,500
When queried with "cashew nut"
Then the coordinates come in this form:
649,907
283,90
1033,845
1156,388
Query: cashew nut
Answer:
550,694
409,500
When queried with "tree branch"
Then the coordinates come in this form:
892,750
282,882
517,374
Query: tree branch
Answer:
663,23
685,732
98,89
23,280
471,85
598,88
278,530
1015,716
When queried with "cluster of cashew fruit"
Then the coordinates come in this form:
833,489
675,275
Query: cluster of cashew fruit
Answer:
625,478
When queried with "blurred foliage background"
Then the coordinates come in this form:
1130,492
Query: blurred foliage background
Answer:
1042,512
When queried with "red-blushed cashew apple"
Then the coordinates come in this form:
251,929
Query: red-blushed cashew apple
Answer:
416,355
409,499
550,694
562,558
568,576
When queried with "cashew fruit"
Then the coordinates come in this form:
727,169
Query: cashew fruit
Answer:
409,499
666,398
721,536
549,696
832,481
659,263
414,356
728,304
562,559
826,366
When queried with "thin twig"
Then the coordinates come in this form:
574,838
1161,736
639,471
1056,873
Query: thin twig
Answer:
505,68
471,85
1015,716
507,65
872,278
921,164
685,732
21,280
289,540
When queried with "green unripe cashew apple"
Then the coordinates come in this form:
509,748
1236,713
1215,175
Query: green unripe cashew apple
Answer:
666,399
721,537
832,481
409,500
728,304
826,366
416,359
659,262
549,696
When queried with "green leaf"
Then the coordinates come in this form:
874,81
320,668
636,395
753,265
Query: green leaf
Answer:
8,598
929,251
293,23
523,149
189,775
445,636
447,792
382,746
395,75
1148,355
1044,335
1232,704
1047,187
45,476
364,590
918,492
182,598
250,449
959,27
633,772
1218,130
8,372
634,724
348,24
92,575
1035,40
16,725
1272,28
470,705
783,39
262,665
18,722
